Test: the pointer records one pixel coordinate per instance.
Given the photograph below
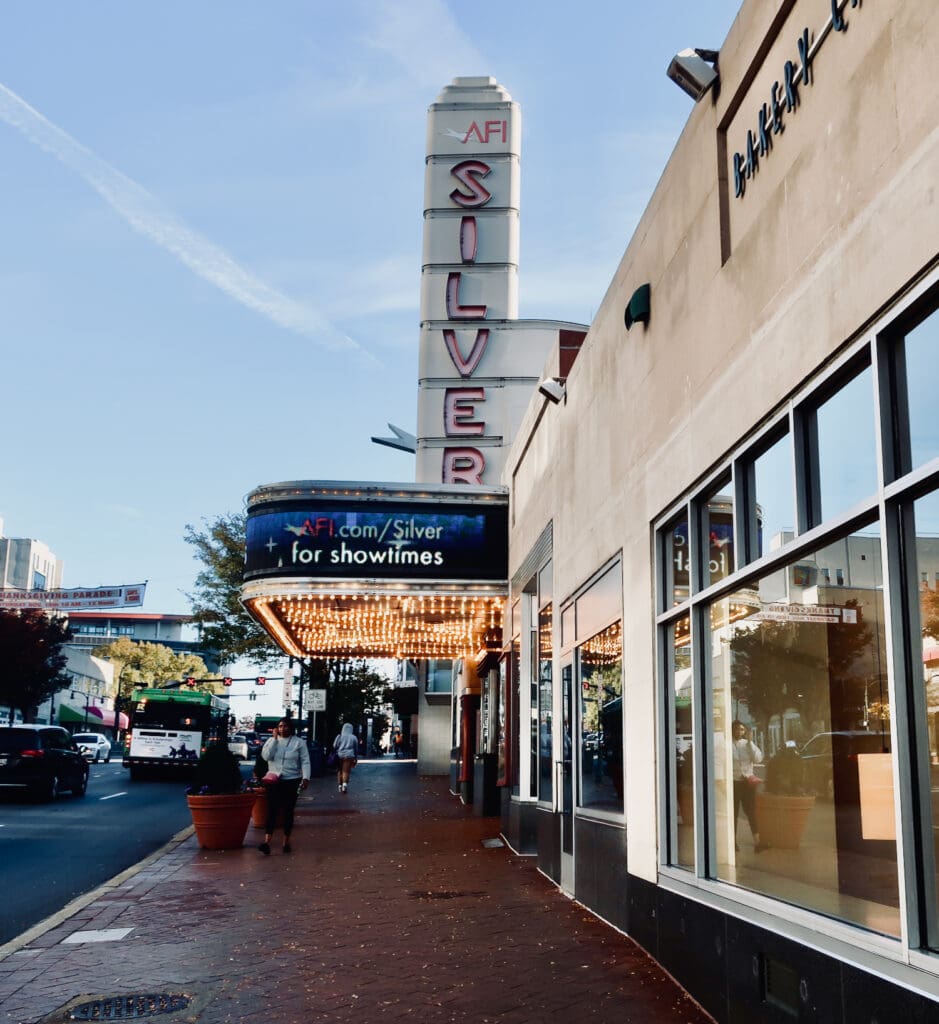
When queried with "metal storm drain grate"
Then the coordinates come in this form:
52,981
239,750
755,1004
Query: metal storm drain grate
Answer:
129,1007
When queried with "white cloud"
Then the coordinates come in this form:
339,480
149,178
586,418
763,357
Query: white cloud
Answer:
143,212
424,39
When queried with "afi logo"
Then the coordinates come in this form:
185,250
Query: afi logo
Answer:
497,130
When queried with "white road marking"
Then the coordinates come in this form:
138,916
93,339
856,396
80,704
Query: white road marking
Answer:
112,796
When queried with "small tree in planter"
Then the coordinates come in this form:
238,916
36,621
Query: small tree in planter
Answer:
218,800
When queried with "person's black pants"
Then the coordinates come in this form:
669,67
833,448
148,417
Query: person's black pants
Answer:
281,800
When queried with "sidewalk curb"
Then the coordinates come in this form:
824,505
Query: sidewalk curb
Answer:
80,902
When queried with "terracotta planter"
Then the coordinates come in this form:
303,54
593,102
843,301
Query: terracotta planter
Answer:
781,819
259,810
221,821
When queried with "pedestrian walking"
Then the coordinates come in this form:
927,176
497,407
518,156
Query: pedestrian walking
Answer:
288,762
347,750
399,744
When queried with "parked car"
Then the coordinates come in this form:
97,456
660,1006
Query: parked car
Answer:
41,759
255,743
238,745
94,746
831,756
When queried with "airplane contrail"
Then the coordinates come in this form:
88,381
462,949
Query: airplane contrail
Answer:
143,212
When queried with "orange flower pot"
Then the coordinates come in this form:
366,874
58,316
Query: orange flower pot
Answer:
259,810
221,821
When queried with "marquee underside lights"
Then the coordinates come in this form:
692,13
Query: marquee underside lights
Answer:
364,624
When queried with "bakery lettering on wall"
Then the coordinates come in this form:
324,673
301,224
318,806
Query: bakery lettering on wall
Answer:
462,406
784,98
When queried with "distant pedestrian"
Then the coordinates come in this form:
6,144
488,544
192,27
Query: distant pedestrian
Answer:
399,744
288,758
347,750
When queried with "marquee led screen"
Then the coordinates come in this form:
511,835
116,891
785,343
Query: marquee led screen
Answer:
378,540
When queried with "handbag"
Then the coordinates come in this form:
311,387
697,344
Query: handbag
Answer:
332,759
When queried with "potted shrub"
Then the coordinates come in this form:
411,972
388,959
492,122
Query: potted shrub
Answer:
218,801
782,803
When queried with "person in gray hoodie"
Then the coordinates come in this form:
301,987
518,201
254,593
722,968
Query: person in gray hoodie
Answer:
347,750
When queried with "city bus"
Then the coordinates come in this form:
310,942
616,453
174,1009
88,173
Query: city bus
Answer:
169,729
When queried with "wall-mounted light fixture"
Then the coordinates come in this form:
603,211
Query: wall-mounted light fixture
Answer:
638,306
553,388
694,71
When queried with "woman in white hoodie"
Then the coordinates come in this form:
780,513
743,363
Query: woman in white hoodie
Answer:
347,750
288,758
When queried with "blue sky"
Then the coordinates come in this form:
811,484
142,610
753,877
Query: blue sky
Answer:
211,237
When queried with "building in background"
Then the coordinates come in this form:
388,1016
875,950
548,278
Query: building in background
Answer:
27,564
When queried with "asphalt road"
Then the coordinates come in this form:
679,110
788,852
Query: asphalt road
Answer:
52,852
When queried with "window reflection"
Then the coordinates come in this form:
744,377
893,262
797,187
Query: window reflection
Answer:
802,669
920,347
774,496
926,512
677,567
545,707
846,447
681,825
601,720
719,529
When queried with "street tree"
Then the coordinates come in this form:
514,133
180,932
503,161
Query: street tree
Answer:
148,664
31,660
216,606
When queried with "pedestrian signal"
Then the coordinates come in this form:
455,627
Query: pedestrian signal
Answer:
190,680
261,680
227,681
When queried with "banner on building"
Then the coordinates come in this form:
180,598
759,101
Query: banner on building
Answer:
76,599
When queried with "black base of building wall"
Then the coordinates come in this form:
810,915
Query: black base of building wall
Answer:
742,974
549,844
519,824
601,881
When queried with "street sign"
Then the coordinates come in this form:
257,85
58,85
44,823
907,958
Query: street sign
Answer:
317,700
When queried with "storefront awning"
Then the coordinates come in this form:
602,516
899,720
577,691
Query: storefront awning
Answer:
404,571
105,717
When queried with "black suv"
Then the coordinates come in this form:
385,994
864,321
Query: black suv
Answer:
42,759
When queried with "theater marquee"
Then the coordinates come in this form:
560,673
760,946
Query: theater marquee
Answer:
377,570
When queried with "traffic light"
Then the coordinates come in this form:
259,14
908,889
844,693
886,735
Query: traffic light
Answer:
261,680
227,681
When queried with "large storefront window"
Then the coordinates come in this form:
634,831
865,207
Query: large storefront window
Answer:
797,786
802,788
600,665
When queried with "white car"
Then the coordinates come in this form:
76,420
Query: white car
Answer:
238,745
94,746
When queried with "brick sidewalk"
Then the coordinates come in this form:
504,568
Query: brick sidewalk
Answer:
389,908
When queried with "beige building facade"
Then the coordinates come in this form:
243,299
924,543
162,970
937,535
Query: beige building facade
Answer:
723,535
